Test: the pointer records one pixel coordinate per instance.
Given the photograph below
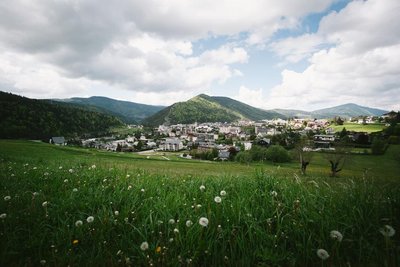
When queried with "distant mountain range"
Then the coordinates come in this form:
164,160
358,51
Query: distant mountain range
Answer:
128,112
344,111
20,114
204,108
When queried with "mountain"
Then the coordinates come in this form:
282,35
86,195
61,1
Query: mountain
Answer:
204,108
21,117
347,110
128,112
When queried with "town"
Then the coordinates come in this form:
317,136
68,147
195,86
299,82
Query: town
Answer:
222,141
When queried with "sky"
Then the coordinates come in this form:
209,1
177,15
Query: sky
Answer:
292,54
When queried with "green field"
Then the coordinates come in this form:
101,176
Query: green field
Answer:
368,128
270,215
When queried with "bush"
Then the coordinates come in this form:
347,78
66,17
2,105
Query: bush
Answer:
243,157
278,154
378,147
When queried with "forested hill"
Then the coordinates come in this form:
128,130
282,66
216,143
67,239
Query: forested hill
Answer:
204,108
21,117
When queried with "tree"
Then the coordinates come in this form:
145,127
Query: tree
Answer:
338,158
304,154
378,146
277,153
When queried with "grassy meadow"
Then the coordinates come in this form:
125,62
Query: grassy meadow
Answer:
80,207
368,128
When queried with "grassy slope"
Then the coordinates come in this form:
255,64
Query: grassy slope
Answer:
369,128
257,229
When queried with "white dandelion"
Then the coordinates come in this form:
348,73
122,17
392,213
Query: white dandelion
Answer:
274,193
45,204
189,223
387,231
142,190
198,206
176,231
43,262
7,198
144,246
202,188
217,199
78,223
75,190
65,180
93,166
223,193
336,235
203,221
3,216
322,254
90,219
70,170
116,213
171,221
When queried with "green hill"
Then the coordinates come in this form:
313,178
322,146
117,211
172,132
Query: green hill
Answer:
22,117
204,108
347,110
128,112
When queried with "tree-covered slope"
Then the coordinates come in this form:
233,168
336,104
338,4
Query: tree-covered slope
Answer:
21,117
128,112
347,110
203,108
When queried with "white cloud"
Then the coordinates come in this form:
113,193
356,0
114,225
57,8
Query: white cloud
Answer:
142,46
363,66
253,97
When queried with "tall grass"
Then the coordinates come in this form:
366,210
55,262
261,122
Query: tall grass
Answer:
267,219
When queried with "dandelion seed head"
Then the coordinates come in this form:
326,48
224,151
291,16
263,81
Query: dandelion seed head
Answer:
116,213
189,223
144,246
217,199
176,231
202,188
3,216
322,254
45,204
7,198
203,221
75,190
171,221
336,235
274,193
223,193
78,223
387,231
90,219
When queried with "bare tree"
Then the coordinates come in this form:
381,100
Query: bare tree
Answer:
304,154
338,158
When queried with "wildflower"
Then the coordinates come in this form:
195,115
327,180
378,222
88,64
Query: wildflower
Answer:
203,221
322,254
171,240
43,262
60,168
202,188
90,219
116,213
127,176
129,187
75,190
75,242
45,204
70,170
387,231
274,193
142,190
158,249
7,198
176,231
93,166
78,223
171,221
336,235
217,199
3,216
65,180
223,193
189,223
198,206
35,194
144,246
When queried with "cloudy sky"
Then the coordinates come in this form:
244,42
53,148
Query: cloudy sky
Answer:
298,54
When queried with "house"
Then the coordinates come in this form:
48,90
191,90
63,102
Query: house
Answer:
223,154
171,144
264,142
58,140
324,140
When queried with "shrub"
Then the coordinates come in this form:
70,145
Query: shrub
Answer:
278,154
378,147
